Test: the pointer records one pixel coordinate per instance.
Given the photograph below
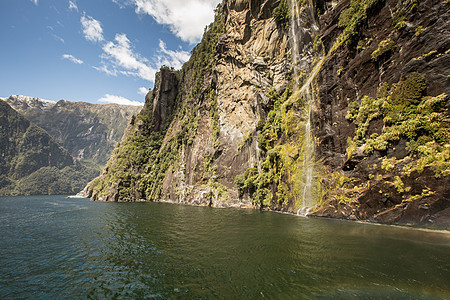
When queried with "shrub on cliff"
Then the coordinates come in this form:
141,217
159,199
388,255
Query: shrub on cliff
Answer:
281,13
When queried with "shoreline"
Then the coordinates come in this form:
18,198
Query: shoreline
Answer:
429,227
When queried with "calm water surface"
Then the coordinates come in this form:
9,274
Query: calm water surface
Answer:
54,247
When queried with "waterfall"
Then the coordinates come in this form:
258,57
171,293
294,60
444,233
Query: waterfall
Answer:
307,92
302,54
295,27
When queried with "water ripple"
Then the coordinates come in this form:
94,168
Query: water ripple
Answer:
53,247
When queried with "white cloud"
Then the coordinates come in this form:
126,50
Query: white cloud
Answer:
120,3
142,91
121,56
58,38
106,70
118,100
186,18
92,29
72,58
73,5
35,2
171,58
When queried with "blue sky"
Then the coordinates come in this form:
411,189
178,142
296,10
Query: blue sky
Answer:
98,51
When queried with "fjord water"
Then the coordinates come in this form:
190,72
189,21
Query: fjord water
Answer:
54,247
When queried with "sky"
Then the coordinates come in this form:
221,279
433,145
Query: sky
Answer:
98,51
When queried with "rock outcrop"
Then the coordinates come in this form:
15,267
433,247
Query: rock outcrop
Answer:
373,73
164,97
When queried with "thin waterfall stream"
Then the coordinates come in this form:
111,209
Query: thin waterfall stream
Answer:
295,27
308,94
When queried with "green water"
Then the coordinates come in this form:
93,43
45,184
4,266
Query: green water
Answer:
54,247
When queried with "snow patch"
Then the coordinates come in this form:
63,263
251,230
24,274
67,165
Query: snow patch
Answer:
30,101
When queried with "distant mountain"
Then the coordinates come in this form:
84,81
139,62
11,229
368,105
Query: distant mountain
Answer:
56,147
32,162
88,131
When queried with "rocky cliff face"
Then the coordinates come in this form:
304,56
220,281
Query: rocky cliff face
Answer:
220,100
382,120
164,98
369,77
88,131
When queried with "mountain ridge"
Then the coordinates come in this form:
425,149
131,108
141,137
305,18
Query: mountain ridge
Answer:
77,126
32,162
88,131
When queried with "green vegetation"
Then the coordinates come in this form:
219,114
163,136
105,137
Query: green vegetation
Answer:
262,184
428,55
51,181
399,19
419,30
400,111
384,47
406,113
340,188
277,182
247,140
271,129
351,20
388,164
281,14
363,44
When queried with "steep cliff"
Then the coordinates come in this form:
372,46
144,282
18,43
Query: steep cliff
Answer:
32,162
220,100
382,121
88,131
338,107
